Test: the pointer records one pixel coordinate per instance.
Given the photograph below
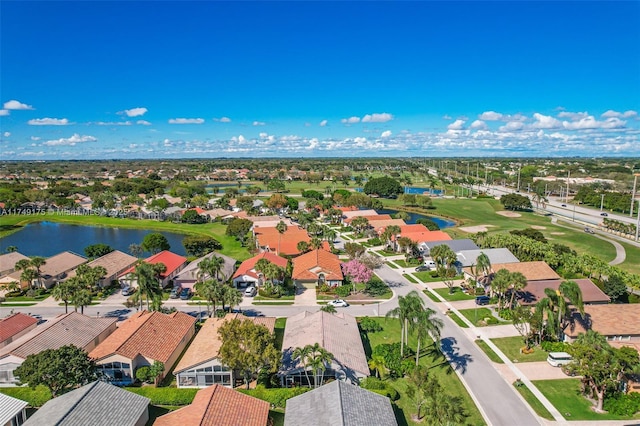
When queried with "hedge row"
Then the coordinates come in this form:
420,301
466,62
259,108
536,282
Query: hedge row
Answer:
34,397
277,397
165,396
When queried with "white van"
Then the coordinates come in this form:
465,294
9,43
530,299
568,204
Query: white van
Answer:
558,359
430,264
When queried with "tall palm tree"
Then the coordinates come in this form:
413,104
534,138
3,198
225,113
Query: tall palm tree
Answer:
66,291
406,311
211,291
37,262
555,306
281,227
518,282
426,324
147,280
483,266
302,354
500,284
319,357
302,246
377,364
81,298
210,267
231,297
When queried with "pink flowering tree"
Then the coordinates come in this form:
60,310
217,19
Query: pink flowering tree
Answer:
357,272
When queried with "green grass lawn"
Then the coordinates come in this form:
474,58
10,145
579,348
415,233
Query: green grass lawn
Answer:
410,278
277,415
17,305
534,402
632,261
274,303
432,296
565,395
455,296
490,353
279,331
27,298
392,265
479,316
426,277
404,264
439,367
510,346
457,320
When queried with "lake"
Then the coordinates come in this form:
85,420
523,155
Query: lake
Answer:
442,223
415,190
50,238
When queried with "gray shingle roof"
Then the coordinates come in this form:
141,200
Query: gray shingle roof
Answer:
339,404
96,404
496,256
9,407
455,245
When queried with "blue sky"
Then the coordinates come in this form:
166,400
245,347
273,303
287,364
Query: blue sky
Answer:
318,79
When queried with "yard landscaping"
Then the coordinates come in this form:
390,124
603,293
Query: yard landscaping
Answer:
455,296
533,401
437,365
489,352
510,346
482,317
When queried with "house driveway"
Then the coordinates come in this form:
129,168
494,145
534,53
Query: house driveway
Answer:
305,297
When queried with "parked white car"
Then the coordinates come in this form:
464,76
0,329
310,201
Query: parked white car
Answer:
250,291
338,303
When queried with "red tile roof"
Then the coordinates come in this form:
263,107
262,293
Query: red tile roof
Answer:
247,267
219,406
171,260
286,244
151,334
316,262
420,237
14,324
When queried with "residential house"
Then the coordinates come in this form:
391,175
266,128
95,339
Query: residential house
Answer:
347,214
285,244
339,403
173,262
13,411
95,404
15,326
619,323
13,277
219,406
371,219
58,266
200,365
190,274
420,234
337,333
534,291
115,263
316,268
533,271
67,329
455,245
8,262
468,258
141,340
246,274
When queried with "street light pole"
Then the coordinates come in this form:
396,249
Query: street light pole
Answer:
638,222
601,201
633,193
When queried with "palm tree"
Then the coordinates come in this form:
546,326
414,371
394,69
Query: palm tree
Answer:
37,262
66,291
406,311
329,309
211,290
318,359
518,282
281,227
302,246
556,306
302,354
210,267
445,259
426,324
81,298
231,297
11,249
483,266
377,364
315,243
148,284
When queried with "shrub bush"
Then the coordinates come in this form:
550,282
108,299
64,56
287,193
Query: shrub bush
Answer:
369,325
31,293
276,397
434,274
374,241
506,314
376,287
554,346
14,293
372,383
34,397
343,290
324,288
623,404
165,396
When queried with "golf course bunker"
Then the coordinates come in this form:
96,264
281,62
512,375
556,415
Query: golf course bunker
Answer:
538,227
476,229
509,214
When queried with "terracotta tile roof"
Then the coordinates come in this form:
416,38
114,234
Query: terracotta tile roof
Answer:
309,265
14,324
206,345
608,320
67,329
534,291
171,260
247,267
151,334
337,333
371,219
414,227
533,271
354,213
286,244
381,225
219,406
426,236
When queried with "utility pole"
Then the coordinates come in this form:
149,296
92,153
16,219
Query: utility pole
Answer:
518,188
566,200
601,201
633,193
638,222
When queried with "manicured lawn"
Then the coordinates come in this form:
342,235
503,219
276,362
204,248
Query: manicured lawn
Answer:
632,261
279,331
534,402
410,278
439,367
404,264
258,297
457,320
482,317
386,253
490,353
510,346
35,397
274,303
427,278
393,265
27,298
565,395
432,296
17,305
455,296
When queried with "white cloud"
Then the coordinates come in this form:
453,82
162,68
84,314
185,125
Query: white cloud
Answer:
546,122
456,125
479,124
48,122
263,135
143,122
134,112
377,118
490,116
386,134
573,116
6,134
350,120
4,112
186,121
591,123
627,114
13,104
242,139
223,120
113,123
259,123
72,141
511,126
323,123
447,117
35,138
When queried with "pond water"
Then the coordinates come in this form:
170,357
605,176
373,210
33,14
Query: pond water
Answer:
415,190
50,238
442,223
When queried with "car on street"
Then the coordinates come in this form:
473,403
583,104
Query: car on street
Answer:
482,300
185,294
564,205
175,292
604,214
338,303
250,291
589,230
